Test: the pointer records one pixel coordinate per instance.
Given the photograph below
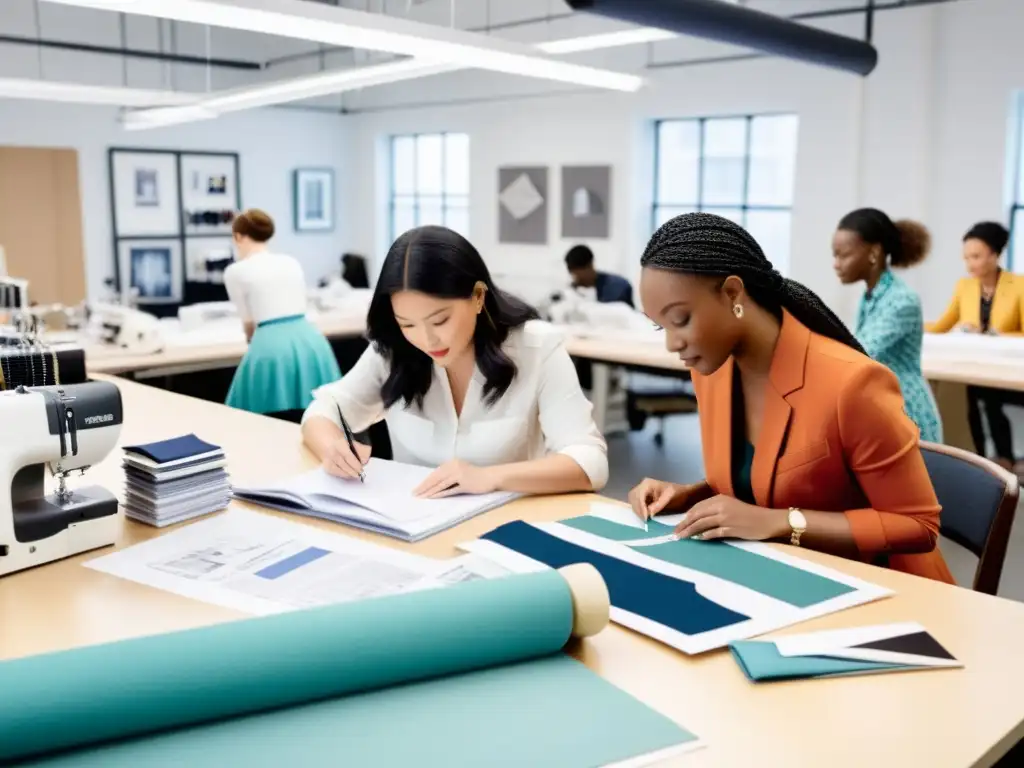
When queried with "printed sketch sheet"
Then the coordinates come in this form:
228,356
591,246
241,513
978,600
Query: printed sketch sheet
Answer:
259,564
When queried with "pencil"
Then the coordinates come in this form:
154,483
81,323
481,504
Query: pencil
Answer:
351,442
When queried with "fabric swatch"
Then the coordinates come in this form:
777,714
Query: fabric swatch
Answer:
794,586
171,450
671,602
762,662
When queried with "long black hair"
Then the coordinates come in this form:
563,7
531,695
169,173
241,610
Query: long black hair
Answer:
441,263
904,242
712,246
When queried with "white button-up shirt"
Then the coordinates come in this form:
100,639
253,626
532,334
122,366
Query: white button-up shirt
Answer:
544,410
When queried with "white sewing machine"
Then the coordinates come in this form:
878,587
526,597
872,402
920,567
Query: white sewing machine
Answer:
125,327
64,429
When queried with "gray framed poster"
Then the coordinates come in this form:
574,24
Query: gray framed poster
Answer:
586,201
523,205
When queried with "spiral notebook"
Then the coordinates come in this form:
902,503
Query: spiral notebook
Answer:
383,504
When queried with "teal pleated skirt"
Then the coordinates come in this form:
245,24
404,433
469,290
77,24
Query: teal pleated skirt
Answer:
287,359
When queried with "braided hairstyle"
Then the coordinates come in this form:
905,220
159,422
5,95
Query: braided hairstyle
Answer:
708,245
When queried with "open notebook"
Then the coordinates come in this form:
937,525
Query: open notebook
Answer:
383,504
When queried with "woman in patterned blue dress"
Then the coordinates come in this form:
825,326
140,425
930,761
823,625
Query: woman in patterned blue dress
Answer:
866,246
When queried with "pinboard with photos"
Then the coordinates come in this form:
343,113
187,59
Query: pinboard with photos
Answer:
171,216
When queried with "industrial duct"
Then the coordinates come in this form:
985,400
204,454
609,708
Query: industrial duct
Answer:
733,24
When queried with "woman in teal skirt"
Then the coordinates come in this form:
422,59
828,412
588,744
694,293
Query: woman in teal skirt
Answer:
288,357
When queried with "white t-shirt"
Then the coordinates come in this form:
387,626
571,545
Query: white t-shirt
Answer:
266,286
543,411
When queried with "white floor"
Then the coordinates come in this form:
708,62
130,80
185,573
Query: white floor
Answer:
636,456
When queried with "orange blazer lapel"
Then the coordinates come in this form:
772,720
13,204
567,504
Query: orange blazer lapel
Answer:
718,441
785,377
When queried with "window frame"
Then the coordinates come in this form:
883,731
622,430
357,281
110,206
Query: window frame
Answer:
744,206
416,196
1016,204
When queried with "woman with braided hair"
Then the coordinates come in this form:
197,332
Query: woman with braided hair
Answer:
805,437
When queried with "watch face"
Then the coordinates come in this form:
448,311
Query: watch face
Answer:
797,521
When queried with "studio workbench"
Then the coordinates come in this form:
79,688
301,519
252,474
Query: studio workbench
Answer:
939,719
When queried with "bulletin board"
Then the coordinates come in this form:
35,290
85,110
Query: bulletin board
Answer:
171,214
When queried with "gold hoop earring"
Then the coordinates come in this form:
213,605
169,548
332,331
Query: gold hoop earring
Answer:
737,309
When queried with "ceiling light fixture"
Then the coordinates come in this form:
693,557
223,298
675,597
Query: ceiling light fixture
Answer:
311,86
338,26
606,40
81,93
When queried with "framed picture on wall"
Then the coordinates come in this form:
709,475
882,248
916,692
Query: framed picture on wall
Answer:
145,193
153,268
313,199
209,192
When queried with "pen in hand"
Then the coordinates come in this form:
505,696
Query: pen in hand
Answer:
351,442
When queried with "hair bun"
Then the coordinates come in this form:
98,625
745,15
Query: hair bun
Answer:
254,224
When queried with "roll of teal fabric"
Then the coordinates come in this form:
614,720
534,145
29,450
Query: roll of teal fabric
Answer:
147,685
287,359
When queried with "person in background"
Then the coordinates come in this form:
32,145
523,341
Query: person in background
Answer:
288,357
805,437
467,378
990,301
610,288
866,247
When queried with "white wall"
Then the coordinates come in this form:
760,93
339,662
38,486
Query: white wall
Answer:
270,143
924,136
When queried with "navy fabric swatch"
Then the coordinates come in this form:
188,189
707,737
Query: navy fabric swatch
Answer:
171,450
668,601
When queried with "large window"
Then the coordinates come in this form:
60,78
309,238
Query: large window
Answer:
1017,204
738,167
429,182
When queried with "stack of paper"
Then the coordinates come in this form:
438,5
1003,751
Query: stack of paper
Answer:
385,503
174,480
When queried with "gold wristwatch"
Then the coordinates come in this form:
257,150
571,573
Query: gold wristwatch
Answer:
798,523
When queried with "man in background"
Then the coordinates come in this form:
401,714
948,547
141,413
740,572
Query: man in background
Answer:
610,288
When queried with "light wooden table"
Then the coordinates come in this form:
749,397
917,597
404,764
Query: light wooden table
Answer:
938,719
189,358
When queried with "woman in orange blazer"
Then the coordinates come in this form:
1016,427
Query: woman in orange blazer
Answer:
805,437
990,301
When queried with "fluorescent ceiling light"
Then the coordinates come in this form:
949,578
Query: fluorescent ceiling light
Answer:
606,40
334,25
311,86
80,93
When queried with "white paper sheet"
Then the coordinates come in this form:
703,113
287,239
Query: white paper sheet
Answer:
258,564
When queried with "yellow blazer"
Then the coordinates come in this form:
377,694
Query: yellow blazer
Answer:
1007,306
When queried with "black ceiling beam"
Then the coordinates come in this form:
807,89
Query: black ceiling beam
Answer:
737,25
135,53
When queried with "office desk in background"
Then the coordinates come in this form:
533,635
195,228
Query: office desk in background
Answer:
946,719
950,362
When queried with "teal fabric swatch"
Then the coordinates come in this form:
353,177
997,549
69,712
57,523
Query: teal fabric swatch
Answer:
152,684
794,586
548,713
762,662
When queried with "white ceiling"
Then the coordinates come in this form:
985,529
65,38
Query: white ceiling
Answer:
250,58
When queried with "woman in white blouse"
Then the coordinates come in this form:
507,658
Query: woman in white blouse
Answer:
288,357
467,379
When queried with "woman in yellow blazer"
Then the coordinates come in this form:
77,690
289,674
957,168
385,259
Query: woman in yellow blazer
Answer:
990,301
806,439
